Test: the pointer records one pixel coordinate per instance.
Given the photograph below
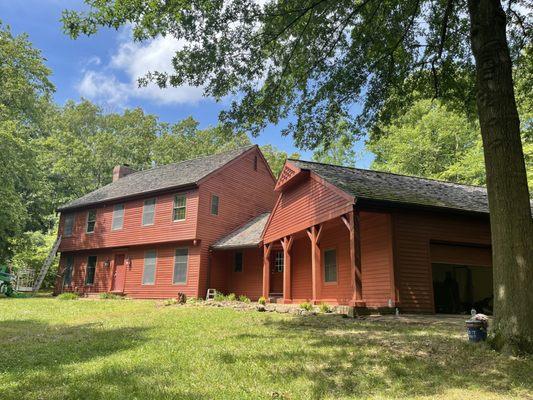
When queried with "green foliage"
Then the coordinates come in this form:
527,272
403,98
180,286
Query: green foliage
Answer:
339,152
306,306
170,302
68,296
324,308
110,296
262,300
231,297
244,299
276,158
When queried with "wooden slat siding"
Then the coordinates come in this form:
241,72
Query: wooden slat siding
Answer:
102,274
413,231
310,202
301,270
133,233
376,258
244,194
465,255
220,267
249,282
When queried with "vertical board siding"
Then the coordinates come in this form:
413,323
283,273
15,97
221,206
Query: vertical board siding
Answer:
376,258
243,193
308,203
413,232
133,232
301,285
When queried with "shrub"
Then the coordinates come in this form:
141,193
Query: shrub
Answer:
306,306
262,300
193,300
324,308
231,297
110,296
68,296
182,298
219,297
244,299
170,302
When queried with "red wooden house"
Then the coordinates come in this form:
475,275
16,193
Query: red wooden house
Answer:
321,233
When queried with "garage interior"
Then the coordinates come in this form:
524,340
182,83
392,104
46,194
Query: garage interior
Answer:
462,278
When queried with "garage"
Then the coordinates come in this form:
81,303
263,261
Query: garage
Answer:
462,278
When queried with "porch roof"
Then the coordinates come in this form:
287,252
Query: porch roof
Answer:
247,235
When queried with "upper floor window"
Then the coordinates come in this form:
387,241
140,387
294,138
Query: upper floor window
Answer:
181,261
238,261
279,261
90,270
67,275
69,225
214,205
91,221
148,212
180,202
118,217
149,267
330,265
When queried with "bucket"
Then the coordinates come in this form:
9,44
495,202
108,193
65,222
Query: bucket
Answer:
476,330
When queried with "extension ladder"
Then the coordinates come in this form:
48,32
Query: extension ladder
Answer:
46,265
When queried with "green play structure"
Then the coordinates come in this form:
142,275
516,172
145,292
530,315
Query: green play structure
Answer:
6,281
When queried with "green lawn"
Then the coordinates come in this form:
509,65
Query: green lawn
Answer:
115,349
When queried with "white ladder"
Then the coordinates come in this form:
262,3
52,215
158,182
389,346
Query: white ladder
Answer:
46,265
211,293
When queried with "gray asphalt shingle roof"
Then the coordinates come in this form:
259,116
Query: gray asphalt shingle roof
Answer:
184,173
388,187
248,235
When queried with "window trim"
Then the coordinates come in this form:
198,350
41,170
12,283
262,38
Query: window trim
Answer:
144,268
336,281
235,261
213,196
153,218
71,269
87,269
113,216
174,208
181,283
87,221
276,266
72,217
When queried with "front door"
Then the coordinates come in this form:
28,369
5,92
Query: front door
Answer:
276,273
119,274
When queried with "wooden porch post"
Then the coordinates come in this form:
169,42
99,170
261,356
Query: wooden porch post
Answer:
286,243
266,270
314,235
351,220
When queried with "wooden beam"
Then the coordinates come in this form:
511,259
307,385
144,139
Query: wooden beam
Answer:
348,220
266,270
355,241
314,235
286,243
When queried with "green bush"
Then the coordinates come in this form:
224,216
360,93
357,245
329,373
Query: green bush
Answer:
244,299
170,302
306,306
324,308
231,297
110,296
68,296
219,297
262,300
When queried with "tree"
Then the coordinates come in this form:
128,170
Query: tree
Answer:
339,151
276,158
314,59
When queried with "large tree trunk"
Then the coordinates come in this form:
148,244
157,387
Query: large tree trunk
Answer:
510,210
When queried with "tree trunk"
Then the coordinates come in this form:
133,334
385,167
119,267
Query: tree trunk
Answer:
510,210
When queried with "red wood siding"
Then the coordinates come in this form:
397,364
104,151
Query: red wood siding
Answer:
243,194
464,255
413,232
310,202
377,258
301,284
133,232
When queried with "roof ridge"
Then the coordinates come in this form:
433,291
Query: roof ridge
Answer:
389,173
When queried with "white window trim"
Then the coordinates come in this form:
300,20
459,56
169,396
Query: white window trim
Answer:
184,283
87,222
113,217
174,207
87,269
282,262
335,282
153,220
73,218
155,269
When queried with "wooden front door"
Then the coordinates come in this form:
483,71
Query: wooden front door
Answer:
119,274
276,272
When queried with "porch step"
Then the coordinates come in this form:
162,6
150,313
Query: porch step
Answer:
275,297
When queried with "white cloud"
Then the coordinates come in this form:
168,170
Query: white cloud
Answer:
116,83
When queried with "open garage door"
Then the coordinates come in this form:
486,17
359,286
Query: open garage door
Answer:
462,278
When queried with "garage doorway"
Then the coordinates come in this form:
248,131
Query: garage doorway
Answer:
462,278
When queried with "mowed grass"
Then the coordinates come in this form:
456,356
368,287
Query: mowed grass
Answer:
114,349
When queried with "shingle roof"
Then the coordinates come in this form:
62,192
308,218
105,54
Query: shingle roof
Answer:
184,173
409,190
248,235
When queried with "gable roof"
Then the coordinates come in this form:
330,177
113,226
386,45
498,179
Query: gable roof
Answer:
185,173
247,235
366,184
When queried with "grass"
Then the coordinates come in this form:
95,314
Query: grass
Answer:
92,349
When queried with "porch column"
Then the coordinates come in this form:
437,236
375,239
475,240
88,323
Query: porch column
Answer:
314,235
286,243
266,270
351,220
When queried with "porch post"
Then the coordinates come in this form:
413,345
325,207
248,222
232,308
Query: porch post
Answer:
286,243
266,270
351,220
314,235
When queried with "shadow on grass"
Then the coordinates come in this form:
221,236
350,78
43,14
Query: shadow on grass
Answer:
372,358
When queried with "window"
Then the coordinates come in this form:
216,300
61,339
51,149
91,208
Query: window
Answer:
330,265
90,271
67,274
149,267
279,261
181,261
180,202
214,205
255,163
237,266
148,212
69,225
91,221
118,217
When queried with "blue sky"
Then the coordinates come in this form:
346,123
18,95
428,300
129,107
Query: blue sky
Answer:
104,69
